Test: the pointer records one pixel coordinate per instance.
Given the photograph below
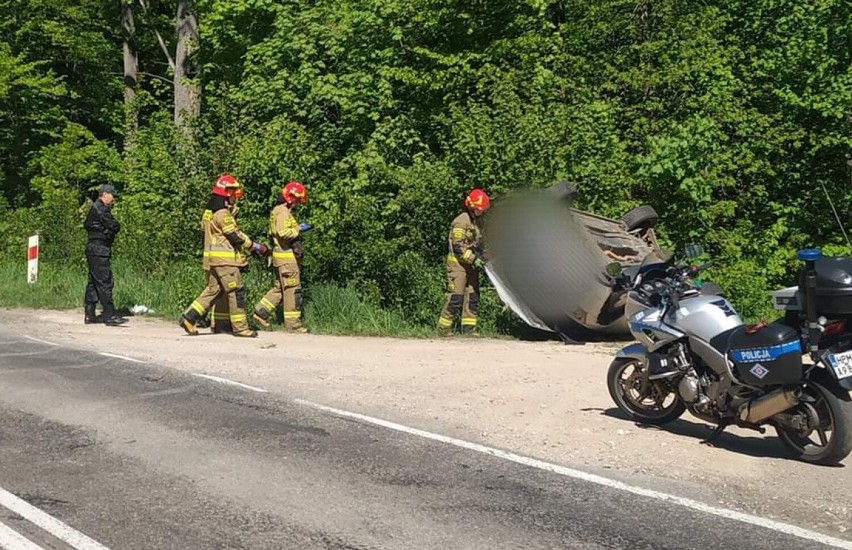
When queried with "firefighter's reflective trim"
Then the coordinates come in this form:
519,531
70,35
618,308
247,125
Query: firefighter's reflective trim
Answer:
222,254
238,318
443,322
221,316
292,281
451,258
197,307
468,255
468,321
283,254
459,233
292,314
266,305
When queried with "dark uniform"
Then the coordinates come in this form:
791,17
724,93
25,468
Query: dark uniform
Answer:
102,229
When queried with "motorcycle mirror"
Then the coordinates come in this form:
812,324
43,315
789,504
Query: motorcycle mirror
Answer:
613,269
693,250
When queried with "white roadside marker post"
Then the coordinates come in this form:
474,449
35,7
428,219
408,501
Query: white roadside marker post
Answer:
32,260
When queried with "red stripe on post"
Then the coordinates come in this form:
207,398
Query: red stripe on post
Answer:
32,253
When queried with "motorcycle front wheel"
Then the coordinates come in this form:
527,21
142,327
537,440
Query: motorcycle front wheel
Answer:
658,404
828,436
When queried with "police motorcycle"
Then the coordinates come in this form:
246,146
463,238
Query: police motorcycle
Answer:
695,353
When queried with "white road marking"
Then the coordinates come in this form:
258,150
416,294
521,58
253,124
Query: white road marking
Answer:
231,382
12,540
758,521
40,340
122,357
49,523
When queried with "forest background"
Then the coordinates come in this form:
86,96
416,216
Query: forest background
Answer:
732,118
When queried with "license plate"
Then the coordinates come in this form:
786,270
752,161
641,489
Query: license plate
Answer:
841,363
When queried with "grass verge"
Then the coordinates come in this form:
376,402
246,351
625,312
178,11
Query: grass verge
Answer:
329,309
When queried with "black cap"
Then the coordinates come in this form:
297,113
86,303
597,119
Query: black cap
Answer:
107,188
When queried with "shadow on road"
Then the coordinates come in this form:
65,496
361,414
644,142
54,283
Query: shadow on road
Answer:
757,446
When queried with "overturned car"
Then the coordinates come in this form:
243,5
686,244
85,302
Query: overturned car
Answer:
549,261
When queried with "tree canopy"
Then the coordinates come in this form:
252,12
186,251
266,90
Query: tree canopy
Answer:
733,119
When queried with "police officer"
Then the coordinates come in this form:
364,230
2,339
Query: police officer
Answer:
463,264
102,229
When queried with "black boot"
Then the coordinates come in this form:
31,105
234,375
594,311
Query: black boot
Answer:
111,319
90,316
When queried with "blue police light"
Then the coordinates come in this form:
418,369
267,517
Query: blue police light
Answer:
810,254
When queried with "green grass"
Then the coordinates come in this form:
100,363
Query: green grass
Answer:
329,309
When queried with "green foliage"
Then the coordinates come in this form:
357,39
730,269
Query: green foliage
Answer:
731,118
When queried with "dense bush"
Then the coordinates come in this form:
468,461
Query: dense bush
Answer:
730,118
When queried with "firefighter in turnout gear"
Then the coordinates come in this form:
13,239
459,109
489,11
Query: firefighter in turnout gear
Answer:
285,231
463,264
224,258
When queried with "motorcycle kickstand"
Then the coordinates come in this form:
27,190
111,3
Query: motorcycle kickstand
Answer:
714,436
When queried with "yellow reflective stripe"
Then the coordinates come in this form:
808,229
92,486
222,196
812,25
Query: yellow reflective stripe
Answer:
468,321
458,233
221,316
267,304
452,258
238,317
208,215
284,255
197,307
468,254
292,314
221,254
443,322
229,229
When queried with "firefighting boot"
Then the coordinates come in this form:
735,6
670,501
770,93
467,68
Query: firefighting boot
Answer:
246,334
261,316
187,322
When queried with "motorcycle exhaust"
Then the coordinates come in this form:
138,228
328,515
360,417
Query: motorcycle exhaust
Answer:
761,408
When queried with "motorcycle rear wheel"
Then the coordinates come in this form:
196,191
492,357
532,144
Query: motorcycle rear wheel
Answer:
831,440
658,405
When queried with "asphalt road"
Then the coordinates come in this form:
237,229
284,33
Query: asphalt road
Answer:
141,456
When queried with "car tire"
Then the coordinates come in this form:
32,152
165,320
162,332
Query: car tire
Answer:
641,217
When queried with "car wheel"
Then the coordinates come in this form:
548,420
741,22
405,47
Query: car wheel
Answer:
641,217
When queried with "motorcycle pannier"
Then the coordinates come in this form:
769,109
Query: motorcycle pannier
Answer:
833,286
769,357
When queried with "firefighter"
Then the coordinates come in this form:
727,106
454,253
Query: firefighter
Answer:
101,229
285,231
224,248
463,264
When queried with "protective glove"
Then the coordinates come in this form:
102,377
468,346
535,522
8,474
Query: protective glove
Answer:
260,249
478,263
303,227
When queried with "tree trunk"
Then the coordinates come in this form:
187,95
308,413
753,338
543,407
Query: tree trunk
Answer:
131,66
187,89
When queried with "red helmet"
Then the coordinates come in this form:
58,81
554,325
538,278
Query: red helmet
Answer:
294,192
478,199
228,185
